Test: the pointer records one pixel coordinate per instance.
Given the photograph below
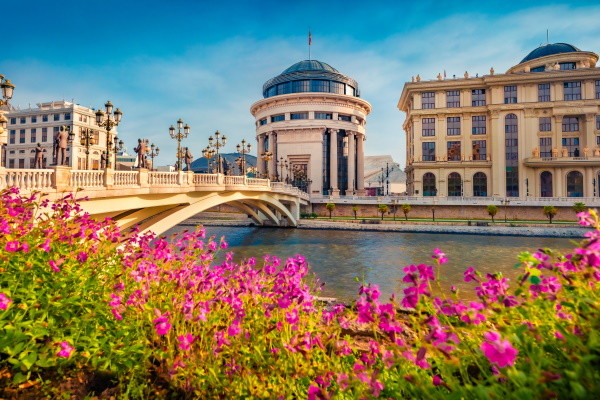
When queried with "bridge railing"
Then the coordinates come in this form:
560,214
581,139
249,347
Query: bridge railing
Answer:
157,178
28,179
126,178
83,179
205,179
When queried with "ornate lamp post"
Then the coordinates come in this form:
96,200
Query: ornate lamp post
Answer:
108,120
154,150
208,153
282,164
243,149
86,137
216,143
179,135
267,156
7,93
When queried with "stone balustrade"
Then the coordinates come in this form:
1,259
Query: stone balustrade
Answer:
86,179
27,179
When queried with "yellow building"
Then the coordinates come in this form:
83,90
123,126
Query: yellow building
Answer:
531,132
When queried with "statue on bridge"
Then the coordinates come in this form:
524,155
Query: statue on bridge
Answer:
188,158
103,159
61,142
141,153
39,156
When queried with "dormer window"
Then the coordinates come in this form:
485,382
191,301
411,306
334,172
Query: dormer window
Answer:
566,65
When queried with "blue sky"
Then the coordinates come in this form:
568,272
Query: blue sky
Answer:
206,62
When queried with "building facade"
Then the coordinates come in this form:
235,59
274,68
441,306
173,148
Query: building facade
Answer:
312,124
27,128
533,131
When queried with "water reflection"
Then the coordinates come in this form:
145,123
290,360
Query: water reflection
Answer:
339,257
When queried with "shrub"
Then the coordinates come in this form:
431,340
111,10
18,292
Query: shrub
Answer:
550,212
406,209
382,208
492,210
579,207
330,207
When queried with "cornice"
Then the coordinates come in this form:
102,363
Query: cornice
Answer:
312,98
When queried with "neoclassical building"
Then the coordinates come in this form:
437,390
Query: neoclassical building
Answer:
531,132
313,119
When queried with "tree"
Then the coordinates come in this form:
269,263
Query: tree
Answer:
330,207
394,209
550,212
383,208
406,209
355,210
492,210
579,207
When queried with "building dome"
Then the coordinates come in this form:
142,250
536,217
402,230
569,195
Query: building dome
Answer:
548,50
310,76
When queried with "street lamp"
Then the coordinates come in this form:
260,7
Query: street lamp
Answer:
108,120
267,156
179,135
281,164
506,202
154,150
216,143
243,149
208,153
86,137
7,93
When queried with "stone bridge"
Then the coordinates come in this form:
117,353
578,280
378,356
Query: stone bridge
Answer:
157,201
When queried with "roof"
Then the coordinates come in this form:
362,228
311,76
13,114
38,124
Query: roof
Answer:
549,49
310,65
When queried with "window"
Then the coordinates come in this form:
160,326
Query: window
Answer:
541,68
350,91
598,89
321,115
429,188
478,97
428,151
11,163
283,88
22,136
453,98
13,136
44,134
574,184
427,100
572,90
45,118
276,118
67,116
346,118
57,117
33,119
336,87
23,120
544,92
13,121
33,135
570,124
546,184
453,124
511,141
566,65
478,125
545,147
479,150
262,121
545,124
572,145
453,150
300,86
510,94
21,163
480,184
303,115
597,121
428,127
454,185
319,86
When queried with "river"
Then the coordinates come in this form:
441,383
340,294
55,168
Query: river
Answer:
339,258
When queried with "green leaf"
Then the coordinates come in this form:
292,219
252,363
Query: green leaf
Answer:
535,280
19,378
29,360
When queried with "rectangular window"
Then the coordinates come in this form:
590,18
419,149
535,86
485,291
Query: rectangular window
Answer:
479,150
478,97
44,134
346,118
597,140
299,115
21,163
544,92
545,147
11,163
597,121
300,86
566,65
67,116
570,124
428,100
538,69
597,89
453,151
276,118
453,98
428,151
321,115
57,117
22,136
33,135
453,124
572,144
336,87
13,121
33,119
45,118
510,94
318,85
478,125
13,136
23,120
428,127
545,124
572,90
262,121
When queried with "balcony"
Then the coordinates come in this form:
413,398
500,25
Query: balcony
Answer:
589,161
445,161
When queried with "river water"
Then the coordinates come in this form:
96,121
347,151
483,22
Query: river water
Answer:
338,258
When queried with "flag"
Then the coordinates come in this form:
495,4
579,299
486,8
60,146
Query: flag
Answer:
309,38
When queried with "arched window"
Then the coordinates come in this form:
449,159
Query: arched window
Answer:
574,184
511,131
480,184
454,184
429,188
546,184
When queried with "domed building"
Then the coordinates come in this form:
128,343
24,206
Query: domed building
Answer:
531,132
310,128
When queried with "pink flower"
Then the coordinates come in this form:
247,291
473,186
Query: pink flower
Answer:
185,341
469,275
13,246
437,381
65,349
292,317
82,257
234,328
54,265
162,325
497,351
46,245
440,256
4,301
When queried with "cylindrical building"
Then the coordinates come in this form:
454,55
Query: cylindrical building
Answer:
312,119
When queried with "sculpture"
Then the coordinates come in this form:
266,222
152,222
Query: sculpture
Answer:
492,71
39,156
188,158
61,142
141,153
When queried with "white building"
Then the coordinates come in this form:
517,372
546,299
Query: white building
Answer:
28,127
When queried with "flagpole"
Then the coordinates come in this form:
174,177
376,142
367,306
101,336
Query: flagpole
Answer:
309,43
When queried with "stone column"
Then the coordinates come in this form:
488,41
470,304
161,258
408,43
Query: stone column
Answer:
333,164
360,165
272,145
351,164
261,148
